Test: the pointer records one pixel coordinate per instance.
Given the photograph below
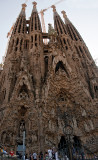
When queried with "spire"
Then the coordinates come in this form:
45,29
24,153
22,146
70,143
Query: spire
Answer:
34,6
54,8
34,20
58,23
54,11
16,43
65,17
72,31
20,25
23,9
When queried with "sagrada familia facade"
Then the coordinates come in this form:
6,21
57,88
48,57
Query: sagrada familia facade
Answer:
49,90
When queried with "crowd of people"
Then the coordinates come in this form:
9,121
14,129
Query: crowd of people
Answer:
50,154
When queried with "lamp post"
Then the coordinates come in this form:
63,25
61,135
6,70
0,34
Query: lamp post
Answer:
24,145
68,132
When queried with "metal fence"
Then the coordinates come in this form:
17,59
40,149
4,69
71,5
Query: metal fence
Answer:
7,157
68,151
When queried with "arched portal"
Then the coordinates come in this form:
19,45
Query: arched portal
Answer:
62,143
62,147
77,143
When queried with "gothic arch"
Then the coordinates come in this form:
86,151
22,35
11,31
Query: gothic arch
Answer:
77,143
23,91
62,143
60,65
23,85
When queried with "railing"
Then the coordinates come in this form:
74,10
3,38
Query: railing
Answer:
68,152
7,157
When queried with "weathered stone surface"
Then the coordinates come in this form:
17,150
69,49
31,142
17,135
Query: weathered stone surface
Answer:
39,83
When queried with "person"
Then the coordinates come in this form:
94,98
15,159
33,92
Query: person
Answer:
17,154
34,156
82,155
5,152
74,155
46,156
56,155
41,156
20,155
30,156
66,158
53,153
26,157
1,150
50,153
11,153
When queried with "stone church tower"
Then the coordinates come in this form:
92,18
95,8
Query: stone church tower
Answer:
46,88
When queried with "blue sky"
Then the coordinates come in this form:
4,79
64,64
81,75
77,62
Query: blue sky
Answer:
82,13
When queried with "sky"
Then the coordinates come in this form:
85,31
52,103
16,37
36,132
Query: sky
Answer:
82,13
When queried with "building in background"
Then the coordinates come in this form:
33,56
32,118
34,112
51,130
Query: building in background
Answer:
49,81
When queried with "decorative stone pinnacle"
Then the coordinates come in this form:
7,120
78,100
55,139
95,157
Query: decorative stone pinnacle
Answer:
54,8
23,6
64,14
34,4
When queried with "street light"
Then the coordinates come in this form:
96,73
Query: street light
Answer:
68,132
24,145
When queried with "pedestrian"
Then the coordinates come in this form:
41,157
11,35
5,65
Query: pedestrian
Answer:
26,157
17,154
30,157
56,155
11,153
4,151
82,153
34,156
53,153
46,156
50,153
74,155
41,156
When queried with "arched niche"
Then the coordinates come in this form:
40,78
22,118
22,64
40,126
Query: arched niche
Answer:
21,128
61,66
22,111
77,142
23,92
62,143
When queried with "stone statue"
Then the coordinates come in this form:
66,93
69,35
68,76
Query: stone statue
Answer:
22,127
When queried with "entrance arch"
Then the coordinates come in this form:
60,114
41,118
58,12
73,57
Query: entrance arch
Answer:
62,143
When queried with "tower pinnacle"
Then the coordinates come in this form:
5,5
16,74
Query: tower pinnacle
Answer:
23,6
65,17
64,14
54,8
34,5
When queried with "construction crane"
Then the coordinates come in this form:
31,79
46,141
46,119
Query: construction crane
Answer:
8,36
43,26
9,33
42,17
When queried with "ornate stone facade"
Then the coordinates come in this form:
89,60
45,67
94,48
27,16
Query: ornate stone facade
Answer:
39,82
